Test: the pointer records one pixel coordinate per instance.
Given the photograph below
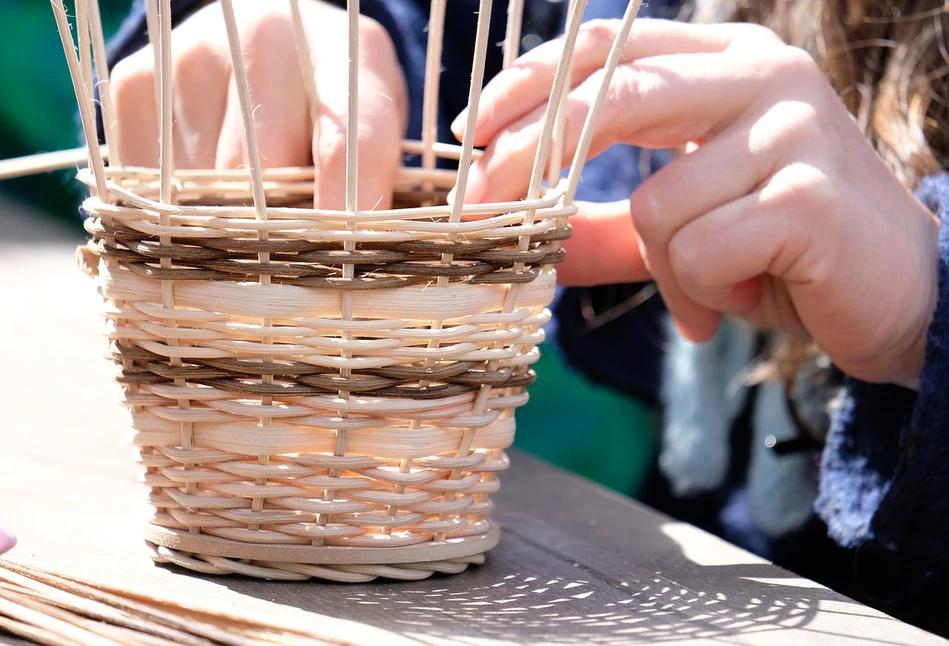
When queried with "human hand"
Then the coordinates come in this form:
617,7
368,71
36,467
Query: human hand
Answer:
783,213
208,129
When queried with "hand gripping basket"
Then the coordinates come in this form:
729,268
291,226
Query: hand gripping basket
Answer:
322,393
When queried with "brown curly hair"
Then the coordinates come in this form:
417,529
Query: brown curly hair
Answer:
888,62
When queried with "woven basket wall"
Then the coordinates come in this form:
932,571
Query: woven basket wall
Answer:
272,426
321,393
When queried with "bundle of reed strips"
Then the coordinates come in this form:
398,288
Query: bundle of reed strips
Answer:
58,609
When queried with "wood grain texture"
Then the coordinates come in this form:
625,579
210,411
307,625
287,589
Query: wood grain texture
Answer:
575,565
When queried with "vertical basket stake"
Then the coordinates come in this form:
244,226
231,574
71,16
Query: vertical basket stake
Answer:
166,160
352,110
154,34
461,184
349,246
589,126
305,57
433,69
474,96
85,109
511,49
555,167
559,89
103,78
252,153
512,36
104,85
161,43
85,57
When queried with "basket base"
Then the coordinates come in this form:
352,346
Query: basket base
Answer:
211,555
274,571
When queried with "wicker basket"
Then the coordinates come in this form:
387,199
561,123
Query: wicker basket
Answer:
322,393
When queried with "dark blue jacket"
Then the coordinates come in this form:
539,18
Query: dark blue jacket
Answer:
881,529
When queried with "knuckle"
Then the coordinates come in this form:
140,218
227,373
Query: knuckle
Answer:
802,190
382,130
621,89
193,60
520,139
756,35
331,145
795,120
787,130
268,28
817,189
629,88
133,80
576,113
797,65
600,30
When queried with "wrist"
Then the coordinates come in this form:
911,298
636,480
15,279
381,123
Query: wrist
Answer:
913,357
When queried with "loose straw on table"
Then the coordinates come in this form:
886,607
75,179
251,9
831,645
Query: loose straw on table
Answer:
59,609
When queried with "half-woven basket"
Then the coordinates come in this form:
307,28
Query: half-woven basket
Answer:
320,393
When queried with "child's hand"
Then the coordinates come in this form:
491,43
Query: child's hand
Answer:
208,129
783,214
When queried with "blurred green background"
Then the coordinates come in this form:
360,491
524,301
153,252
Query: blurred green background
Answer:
569,421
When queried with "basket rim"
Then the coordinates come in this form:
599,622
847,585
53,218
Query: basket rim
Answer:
488,213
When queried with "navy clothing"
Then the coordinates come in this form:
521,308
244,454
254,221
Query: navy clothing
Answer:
884,486
881,532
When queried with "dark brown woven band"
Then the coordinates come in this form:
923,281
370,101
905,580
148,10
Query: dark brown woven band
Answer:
300,379
320,264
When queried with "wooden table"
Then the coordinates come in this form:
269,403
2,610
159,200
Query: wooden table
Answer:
576,564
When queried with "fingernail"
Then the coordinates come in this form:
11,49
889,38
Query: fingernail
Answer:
458,125
7,540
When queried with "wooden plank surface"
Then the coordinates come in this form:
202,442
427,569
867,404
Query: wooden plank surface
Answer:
576,564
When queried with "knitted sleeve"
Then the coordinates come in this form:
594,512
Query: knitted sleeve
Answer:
884,486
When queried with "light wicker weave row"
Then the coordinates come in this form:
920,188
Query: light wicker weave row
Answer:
322,393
